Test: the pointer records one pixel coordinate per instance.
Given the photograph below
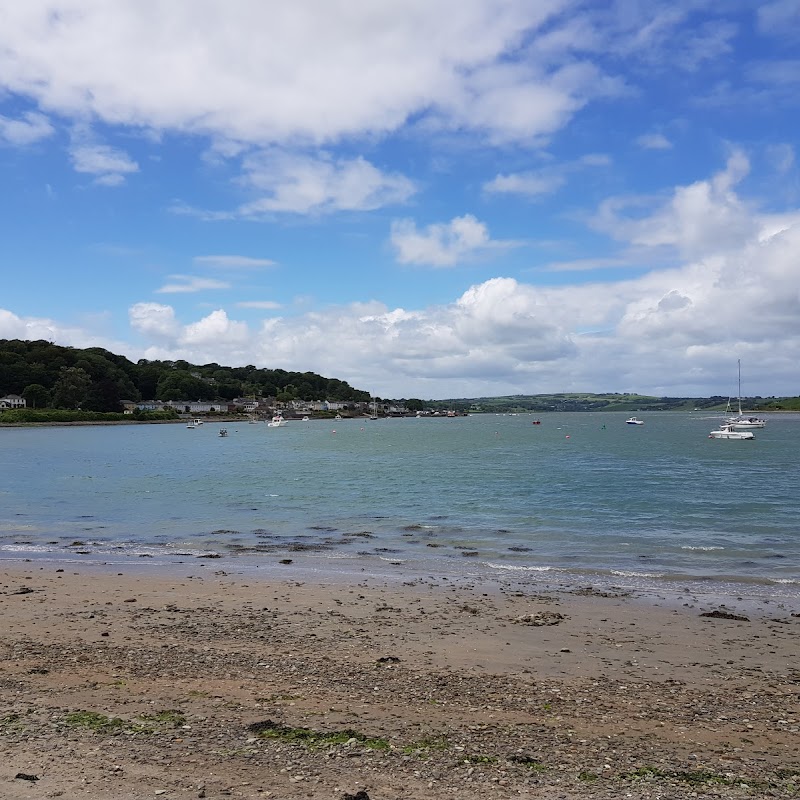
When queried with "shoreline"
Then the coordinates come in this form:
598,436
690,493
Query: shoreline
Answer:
130,682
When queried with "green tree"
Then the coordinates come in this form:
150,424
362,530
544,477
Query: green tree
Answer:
36,396
71,388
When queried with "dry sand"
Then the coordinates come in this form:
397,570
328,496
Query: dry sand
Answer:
220,685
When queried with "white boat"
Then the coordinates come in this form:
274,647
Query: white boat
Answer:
197,422
277,422
728,432
338,416
305,419
191,425
223,432
634,421
741,422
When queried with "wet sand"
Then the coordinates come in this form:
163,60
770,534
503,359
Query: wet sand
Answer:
207,683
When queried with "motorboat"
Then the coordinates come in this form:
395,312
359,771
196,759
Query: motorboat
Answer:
728,432
634,421
197,422
277,422
223,432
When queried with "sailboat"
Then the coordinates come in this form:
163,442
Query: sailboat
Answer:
374,414
741,422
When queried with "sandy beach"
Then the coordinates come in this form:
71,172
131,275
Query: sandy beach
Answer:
207,683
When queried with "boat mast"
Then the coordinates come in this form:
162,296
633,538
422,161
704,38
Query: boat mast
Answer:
739,364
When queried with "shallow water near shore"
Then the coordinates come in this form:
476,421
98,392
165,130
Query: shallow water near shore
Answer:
579,497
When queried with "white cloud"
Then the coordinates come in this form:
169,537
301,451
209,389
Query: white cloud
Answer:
525,183
30,128
779,18
547,180
654,141
215,329
442,244
302,185
185,284
264,305
108,164
154,320
366,68
704,217
586,264
233,262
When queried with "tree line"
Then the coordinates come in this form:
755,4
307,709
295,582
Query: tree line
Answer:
47,375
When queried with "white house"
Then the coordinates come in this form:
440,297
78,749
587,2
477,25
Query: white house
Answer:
12,401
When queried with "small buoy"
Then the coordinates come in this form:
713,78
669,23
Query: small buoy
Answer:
334,430
567,436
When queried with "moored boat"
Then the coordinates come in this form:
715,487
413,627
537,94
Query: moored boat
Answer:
728,432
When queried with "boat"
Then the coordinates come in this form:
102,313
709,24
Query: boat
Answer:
305,419
634,421
223,432
191,425
338,416
741,422
197,422
726,431
277,422
374,414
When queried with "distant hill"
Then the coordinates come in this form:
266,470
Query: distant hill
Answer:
625,402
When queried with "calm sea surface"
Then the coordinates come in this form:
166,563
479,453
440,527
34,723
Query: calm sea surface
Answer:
581,495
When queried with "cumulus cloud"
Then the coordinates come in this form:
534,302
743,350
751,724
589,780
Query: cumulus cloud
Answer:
29,128
184,284
154,320
215,329
704,217
360,72
442,244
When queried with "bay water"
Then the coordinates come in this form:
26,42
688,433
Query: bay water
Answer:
581,498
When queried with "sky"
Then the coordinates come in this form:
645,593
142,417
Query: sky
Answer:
459,198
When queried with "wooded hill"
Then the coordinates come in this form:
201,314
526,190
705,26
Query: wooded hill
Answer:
50,376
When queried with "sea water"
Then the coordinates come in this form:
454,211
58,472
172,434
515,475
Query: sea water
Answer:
581,495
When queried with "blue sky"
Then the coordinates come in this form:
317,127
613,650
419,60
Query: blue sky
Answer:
425,199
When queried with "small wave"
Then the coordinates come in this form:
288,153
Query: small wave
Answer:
517,568
392,560
621,573
26,548
701,547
